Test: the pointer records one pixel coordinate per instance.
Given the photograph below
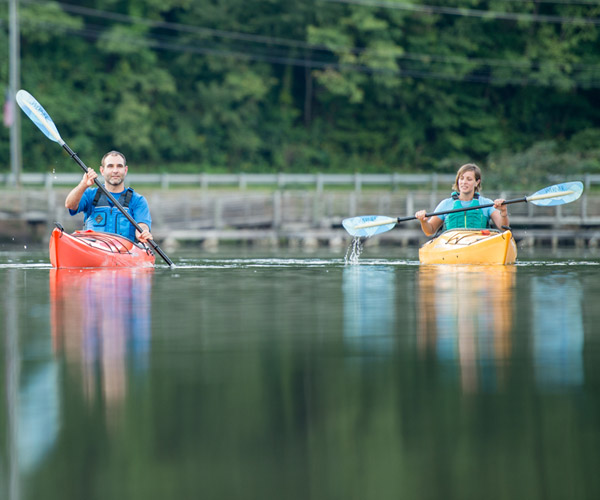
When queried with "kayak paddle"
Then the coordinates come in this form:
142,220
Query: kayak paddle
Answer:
37,114
370,225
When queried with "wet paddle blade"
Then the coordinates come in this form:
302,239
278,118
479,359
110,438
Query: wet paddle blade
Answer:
37,114
559,194
366,226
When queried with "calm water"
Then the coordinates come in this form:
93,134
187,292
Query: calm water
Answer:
300,378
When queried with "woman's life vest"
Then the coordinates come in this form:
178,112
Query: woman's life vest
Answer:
109,219
469,219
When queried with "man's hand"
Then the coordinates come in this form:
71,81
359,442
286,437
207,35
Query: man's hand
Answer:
88,177
145,235
73,198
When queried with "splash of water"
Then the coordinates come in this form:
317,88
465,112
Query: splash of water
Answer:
354,251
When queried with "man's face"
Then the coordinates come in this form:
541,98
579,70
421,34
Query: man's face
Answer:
114,170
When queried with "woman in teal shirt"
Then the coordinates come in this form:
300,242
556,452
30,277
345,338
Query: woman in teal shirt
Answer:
466,194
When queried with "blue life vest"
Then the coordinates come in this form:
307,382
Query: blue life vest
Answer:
109,219
469,219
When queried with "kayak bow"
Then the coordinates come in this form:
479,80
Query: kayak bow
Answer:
92,249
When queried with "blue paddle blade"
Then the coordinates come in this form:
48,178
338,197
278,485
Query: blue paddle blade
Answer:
377,224
559,194
37,114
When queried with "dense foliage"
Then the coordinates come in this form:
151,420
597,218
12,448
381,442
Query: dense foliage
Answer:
317,85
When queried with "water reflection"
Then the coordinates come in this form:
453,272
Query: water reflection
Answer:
465,318
557,330
101,323
32,394
320,380
369,307
12,375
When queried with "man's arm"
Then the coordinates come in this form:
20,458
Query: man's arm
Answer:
141,212
74,197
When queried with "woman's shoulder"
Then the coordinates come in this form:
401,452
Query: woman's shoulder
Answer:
445,204
483,200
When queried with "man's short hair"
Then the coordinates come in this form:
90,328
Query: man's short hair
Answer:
118,153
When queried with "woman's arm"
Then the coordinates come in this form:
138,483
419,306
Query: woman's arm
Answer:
430,225
500,215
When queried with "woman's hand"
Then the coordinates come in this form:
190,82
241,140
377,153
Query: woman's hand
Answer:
499,204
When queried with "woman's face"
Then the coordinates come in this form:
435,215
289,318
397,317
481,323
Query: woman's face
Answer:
467,182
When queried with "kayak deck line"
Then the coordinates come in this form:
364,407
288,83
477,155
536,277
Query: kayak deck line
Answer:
97,240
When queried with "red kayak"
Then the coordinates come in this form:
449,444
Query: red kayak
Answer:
92,249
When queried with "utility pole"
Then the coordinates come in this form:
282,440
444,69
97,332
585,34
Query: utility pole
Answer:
14,82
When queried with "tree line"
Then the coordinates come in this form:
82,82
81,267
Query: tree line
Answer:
317,85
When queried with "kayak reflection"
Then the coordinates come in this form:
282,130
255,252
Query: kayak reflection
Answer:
465,318
101,323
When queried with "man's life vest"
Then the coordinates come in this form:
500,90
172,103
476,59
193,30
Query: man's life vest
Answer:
109,219
469,219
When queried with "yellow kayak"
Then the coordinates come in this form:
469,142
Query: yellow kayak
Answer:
470,246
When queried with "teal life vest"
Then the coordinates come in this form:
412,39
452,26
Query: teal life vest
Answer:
469,219
106,218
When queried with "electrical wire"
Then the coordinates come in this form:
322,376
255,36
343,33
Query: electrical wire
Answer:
276,56
162,43
273,41
465,12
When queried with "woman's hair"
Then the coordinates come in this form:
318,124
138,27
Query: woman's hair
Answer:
468,167
118,153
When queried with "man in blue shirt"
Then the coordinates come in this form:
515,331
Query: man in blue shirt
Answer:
100,214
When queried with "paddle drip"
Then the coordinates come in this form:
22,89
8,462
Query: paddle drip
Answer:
354,251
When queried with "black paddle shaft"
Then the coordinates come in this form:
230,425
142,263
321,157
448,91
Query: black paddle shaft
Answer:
487,205
158,250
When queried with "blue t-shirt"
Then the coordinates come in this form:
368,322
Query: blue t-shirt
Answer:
138,206
448,204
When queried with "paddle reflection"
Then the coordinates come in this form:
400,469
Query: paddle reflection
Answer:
558,333
465,318
101,323
369,307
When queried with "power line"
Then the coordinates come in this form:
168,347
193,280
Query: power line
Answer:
460,11
156,41
267,40
198,30
556,2
160,43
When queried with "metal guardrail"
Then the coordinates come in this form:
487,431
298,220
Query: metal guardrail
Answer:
317,181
